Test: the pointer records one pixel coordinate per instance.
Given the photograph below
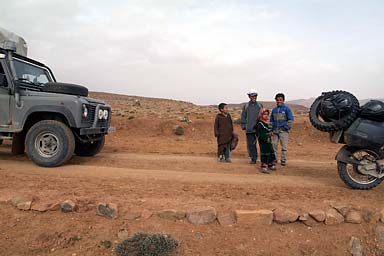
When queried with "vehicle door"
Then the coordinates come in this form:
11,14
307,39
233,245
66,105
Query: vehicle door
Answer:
5,115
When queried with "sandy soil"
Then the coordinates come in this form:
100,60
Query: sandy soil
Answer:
145,166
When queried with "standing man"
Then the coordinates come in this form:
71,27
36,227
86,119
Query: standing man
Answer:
249,117
281,119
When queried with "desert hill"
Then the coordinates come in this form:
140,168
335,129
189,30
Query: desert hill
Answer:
308,102
138,106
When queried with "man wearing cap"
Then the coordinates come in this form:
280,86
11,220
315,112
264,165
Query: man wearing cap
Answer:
249,117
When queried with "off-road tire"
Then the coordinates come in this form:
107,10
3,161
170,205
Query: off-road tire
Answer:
328,125
49,143
90,148
342,170
349,181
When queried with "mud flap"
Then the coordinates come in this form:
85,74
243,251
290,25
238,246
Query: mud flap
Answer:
344,156
18,146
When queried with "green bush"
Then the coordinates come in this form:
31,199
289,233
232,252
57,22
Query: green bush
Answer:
106,243
179,130
143,244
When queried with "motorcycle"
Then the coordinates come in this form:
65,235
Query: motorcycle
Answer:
360,162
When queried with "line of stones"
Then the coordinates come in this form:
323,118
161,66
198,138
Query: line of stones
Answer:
333,215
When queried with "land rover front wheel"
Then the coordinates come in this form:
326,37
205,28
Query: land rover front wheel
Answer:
49,143
89,148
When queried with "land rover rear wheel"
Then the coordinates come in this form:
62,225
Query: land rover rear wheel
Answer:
49,143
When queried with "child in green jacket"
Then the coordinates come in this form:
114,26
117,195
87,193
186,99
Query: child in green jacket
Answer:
267,154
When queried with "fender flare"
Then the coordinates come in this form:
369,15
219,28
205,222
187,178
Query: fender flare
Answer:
344,156
54,110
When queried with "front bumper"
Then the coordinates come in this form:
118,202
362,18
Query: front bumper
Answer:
93,130
97,126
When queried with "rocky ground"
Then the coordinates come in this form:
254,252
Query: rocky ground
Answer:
145,169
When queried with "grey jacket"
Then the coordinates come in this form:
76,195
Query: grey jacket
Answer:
249,116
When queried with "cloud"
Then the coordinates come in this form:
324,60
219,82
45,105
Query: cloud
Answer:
203,51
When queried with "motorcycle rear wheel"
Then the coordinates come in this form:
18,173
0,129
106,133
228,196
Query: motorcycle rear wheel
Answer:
351,175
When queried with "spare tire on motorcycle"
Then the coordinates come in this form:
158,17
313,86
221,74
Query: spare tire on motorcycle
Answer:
334,111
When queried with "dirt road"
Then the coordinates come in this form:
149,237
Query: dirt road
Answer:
155,182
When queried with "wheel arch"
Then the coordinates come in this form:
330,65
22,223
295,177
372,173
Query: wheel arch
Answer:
40,113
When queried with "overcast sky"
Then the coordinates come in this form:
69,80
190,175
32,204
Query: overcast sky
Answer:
207,51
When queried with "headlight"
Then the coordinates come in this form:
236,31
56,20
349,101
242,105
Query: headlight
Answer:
85,111
100,114
105,114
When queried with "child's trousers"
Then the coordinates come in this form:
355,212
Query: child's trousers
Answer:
224,150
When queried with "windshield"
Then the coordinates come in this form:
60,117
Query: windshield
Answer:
30,73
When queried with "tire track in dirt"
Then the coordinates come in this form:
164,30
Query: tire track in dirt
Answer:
169,167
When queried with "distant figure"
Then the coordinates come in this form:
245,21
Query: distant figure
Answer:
282,120
267,153
223,129
249,115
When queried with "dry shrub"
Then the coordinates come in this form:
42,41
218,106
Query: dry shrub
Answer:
143,244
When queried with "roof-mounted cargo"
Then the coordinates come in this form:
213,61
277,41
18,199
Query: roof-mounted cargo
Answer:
13,42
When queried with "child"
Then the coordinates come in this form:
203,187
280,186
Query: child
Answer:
281,120
267,154
223,132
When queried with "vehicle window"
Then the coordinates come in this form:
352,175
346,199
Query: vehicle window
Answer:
31,73
3,78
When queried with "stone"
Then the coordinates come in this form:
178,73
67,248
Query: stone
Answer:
382,216
54,207
333,217
227,218
356,247
68,206
318,215
342,209
308,220
5,198
254,217
171,214
368,214
199,235
107,210
146,214
132,215
18,199
123,234
353,216
25,206
284,216
202,215
40,206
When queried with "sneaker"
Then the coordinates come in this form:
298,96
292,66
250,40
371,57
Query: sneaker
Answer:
272,167
252,161
283,163
221,159
264,170
228,160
